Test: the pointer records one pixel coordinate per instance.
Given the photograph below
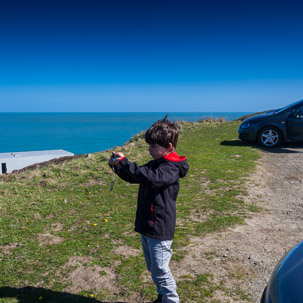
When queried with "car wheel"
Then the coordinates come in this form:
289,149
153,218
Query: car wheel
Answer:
270,137
263,295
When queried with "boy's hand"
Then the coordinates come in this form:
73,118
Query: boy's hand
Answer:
114,159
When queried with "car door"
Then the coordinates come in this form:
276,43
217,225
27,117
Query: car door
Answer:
295,124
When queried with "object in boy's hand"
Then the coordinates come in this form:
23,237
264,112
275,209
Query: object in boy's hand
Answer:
114,158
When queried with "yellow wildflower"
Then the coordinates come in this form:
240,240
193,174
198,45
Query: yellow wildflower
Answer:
95,224
91,295
105,220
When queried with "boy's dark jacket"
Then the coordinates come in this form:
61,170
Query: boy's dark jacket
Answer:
158,191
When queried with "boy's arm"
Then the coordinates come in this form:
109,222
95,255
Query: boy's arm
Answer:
124,175
114,162
159,177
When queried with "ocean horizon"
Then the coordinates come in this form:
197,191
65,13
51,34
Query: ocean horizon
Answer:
82,133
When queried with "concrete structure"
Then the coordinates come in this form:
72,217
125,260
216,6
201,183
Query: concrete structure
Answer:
18,160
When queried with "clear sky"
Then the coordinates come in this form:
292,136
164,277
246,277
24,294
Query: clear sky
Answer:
150,55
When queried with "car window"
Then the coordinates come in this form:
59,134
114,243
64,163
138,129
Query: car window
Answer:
288,107
298,112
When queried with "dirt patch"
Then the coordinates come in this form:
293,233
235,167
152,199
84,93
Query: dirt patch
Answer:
127,251
86,278
49,239
57,227
93,182
7,249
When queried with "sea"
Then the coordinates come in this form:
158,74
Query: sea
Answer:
82,133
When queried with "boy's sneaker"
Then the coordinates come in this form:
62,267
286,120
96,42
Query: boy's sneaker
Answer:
158,300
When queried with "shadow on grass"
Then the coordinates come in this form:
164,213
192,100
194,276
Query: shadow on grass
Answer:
33,294
286,148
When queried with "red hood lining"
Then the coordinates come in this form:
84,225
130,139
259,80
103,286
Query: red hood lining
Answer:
174,157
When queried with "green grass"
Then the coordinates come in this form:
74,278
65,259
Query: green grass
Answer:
52,215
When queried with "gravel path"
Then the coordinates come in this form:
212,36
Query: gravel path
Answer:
243,258
279,192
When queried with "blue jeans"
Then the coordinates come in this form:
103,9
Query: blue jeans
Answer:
157,256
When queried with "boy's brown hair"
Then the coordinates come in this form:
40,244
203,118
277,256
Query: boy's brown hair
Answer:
163,132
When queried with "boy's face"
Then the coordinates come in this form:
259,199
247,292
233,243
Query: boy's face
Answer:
157,151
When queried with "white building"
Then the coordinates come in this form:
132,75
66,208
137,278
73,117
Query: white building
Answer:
18,160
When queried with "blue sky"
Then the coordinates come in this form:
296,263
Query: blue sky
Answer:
150,55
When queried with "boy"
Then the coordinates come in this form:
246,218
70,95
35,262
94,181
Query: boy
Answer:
156,208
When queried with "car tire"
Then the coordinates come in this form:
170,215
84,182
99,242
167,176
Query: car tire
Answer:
263,295
270,137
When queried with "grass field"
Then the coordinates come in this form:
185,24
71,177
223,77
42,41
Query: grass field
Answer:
65,237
